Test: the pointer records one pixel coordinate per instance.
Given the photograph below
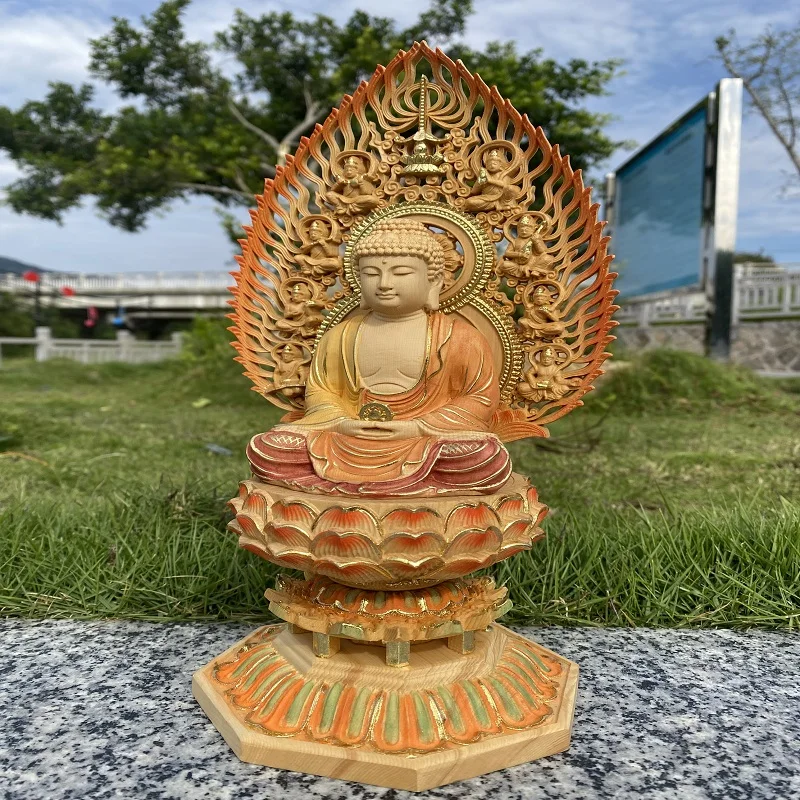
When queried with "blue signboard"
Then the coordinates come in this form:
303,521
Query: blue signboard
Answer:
658,211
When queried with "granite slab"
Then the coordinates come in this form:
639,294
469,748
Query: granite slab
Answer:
104,710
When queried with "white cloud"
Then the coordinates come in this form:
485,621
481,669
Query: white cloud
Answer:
667,48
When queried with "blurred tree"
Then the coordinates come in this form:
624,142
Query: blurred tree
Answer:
745,257
769,67
202,125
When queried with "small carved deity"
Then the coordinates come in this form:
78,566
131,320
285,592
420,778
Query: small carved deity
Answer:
545,380
355,191
541,320
290,370
527,256
319,254
493,190
400,396
301,311
453,260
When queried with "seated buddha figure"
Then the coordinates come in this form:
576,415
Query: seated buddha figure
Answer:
400,397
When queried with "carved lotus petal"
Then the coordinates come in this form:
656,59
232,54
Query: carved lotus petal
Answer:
347,520
413,546
256,506
518,530
475,542
471,517
410,570
345,546
293,560
511,508
411,521
354,574
456,567
287,536
249,527
293,515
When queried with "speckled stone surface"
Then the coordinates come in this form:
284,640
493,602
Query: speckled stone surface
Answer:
104,710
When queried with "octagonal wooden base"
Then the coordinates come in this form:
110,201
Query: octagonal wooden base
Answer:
445,717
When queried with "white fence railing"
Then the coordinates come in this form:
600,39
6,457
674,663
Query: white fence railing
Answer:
97,351
759,293
143,282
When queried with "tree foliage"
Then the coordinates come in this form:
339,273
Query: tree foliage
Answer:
215,119
769,67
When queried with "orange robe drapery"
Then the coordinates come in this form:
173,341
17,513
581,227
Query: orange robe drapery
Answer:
455,398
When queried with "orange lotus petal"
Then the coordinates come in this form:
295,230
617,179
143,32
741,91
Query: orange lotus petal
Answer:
517,530
346,546
475,542
257,506
249,526
357,573
412,545
347,520
292,560
511,550
288,536
471,517
406,570
411,521
511,507
457,567
296,515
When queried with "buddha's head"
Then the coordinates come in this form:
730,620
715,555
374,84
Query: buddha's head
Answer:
401,268
548,357
300,292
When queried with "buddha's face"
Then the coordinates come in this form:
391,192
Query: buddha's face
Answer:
317,232
395,285
547,358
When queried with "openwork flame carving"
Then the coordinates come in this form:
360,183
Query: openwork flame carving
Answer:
427,138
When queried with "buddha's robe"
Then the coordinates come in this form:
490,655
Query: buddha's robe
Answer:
455,399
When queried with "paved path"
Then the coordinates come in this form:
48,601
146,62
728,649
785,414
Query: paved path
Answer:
104,710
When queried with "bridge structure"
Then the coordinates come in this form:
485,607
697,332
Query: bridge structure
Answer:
143,299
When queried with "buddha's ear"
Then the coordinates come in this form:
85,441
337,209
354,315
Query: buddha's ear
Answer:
432,303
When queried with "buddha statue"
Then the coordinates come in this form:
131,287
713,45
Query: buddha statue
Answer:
400,396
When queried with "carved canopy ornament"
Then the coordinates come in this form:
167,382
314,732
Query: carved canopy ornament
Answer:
525,258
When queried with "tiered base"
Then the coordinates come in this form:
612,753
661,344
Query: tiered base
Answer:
445,717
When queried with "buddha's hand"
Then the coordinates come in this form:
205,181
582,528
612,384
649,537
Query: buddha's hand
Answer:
368,429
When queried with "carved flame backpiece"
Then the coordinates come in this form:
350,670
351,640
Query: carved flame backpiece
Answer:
525,258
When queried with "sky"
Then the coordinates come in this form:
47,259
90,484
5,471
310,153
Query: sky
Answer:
667,48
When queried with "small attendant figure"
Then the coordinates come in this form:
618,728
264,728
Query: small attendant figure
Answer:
301,311
290,370
545,379
527,256
354,193
319,254
540,320
493,190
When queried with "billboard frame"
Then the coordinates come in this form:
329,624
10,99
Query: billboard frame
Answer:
722,150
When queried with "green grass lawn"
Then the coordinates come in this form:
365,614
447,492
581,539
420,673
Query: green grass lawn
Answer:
675,495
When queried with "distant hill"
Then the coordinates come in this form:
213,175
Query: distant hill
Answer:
17,267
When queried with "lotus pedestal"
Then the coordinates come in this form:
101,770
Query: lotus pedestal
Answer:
390,669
